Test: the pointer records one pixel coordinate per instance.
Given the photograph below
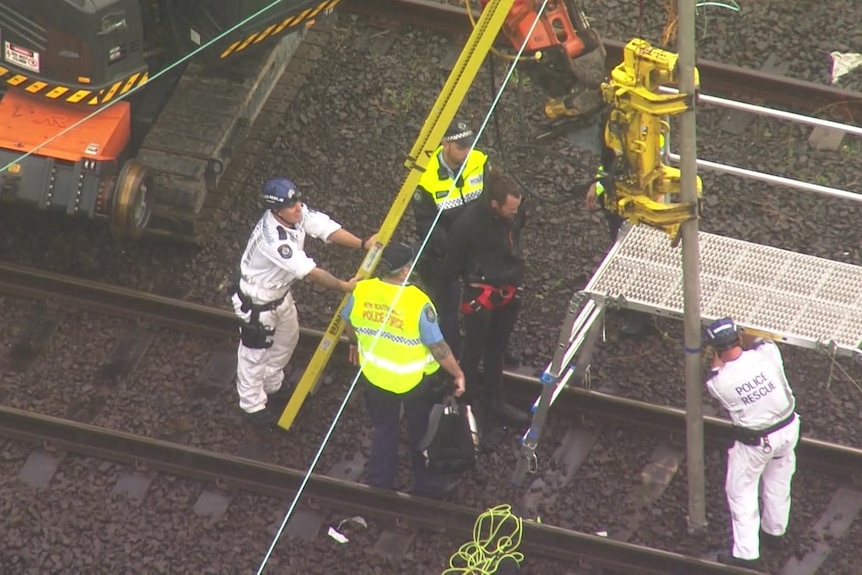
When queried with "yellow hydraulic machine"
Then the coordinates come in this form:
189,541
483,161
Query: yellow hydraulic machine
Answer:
647,191
441,115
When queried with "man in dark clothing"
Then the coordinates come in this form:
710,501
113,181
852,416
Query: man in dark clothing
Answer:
442,189
484,250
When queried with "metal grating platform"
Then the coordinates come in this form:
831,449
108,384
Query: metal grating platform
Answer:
799,299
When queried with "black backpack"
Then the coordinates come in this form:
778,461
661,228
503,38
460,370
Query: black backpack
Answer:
451,442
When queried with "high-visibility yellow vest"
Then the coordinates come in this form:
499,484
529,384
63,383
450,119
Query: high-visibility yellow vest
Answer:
446,195
396,360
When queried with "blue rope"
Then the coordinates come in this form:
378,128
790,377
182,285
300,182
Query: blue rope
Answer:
343,405
188,56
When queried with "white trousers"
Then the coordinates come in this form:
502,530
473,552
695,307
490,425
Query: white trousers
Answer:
750,467
261,371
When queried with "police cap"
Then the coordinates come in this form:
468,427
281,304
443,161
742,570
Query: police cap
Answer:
722,334
395,256
460,133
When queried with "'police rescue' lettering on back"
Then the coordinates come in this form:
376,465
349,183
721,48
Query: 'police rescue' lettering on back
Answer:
751,391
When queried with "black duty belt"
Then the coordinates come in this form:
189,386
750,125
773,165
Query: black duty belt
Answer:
755,436
248,305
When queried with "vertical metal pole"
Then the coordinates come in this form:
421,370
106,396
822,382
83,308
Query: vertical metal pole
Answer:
691,274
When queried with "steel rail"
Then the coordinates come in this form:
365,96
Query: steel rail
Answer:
715,77
272,480
28,283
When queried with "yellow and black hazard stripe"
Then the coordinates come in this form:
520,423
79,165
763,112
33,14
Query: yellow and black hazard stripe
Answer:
305,17
71,95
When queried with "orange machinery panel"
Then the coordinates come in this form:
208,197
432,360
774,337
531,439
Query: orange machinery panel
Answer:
28,121
553,28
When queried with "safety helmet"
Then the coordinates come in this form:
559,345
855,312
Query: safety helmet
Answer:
722,334
280,193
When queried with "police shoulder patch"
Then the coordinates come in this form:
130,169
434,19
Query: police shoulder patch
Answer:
430,314
285,251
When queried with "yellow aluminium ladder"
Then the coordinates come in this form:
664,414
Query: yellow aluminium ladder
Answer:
442,113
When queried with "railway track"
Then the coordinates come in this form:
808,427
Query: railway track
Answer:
235,473
715,78
253,476
246,474
209,321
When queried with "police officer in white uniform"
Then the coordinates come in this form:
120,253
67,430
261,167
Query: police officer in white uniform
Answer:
750,383
273,260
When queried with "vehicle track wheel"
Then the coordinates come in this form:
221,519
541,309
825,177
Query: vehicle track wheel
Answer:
131,208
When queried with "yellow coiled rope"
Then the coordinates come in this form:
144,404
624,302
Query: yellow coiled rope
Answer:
496,536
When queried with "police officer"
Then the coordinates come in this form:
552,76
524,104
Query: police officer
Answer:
484,251
273,260
396,340
440,190
750,383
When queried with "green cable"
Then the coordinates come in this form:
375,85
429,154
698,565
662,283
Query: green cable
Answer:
732,6
135,89
496,537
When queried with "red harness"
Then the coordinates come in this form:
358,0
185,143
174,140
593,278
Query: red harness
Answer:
491,298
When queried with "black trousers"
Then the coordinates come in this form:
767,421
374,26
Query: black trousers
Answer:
446,296
615,222
385,410
486,339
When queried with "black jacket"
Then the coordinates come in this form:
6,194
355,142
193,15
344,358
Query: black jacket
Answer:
485,248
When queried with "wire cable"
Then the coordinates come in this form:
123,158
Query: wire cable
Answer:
316,459
178,62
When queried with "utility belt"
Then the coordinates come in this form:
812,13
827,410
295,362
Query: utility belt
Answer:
756,437
249,306
490,298
253,333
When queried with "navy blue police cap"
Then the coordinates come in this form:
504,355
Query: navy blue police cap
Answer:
460,133
395,256
722,333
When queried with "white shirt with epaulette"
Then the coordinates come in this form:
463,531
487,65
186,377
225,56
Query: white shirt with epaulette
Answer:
275,257
753,388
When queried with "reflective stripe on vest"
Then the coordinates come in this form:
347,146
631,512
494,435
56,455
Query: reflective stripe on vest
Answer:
396,360
444,191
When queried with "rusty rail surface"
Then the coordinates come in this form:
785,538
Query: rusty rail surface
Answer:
272,480
842,461
716,79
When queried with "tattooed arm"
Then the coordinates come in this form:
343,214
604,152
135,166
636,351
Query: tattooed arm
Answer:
443,354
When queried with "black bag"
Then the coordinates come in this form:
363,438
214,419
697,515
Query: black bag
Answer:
451,441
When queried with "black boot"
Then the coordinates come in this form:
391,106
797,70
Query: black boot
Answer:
283,395
264,418
771,541
726,558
